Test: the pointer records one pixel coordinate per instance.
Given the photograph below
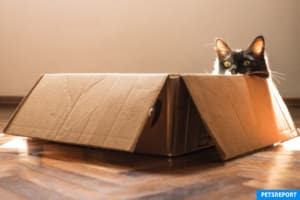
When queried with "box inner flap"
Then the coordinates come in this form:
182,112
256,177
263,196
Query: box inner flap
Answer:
238,111
102,110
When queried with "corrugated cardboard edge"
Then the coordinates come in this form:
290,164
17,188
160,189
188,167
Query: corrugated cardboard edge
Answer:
141,128
171,112
14,114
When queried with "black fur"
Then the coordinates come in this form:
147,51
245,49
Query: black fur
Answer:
251,61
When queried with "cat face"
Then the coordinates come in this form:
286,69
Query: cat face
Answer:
250,61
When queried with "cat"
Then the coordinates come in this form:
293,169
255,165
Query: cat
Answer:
251,61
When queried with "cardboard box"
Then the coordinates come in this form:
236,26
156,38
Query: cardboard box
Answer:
155,113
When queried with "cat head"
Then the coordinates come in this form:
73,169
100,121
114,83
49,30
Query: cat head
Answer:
250,61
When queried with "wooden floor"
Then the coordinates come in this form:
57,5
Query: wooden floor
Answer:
35,169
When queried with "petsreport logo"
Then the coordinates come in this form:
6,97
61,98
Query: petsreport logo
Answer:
278,194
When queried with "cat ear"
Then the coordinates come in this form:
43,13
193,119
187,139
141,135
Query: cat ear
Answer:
257,47
222,48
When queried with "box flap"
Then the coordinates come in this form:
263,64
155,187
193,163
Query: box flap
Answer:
283,118
102,110
238,111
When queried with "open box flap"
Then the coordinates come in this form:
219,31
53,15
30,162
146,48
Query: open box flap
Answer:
101,110
238,112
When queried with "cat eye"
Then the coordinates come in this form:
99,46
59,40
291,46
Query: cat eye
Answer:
246,62
227,64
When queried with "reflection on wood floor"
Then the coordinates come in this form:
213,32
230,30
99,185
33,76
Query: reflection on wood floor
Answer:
37,169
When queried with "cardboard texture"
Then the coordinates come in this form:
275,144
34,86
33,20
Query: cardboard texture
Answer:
239,113
155,113
99,110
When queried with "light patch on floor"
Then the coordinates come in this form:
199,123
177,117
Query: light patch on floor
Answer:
293,145
18,144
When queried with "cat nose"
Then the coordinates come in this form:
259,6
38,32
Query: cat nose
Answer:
233,69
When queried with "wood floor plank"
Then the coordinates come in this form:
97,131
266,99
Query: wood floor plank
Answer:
61,186
6,194
26,189
39,169
74,178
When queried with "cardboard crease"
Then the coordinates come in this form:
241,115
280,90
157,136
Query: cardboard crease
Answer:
111,111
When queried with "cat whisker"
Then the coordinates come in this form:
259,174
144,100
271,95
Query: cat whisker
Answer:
276,72
279,77
276,80
232,62
257,73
